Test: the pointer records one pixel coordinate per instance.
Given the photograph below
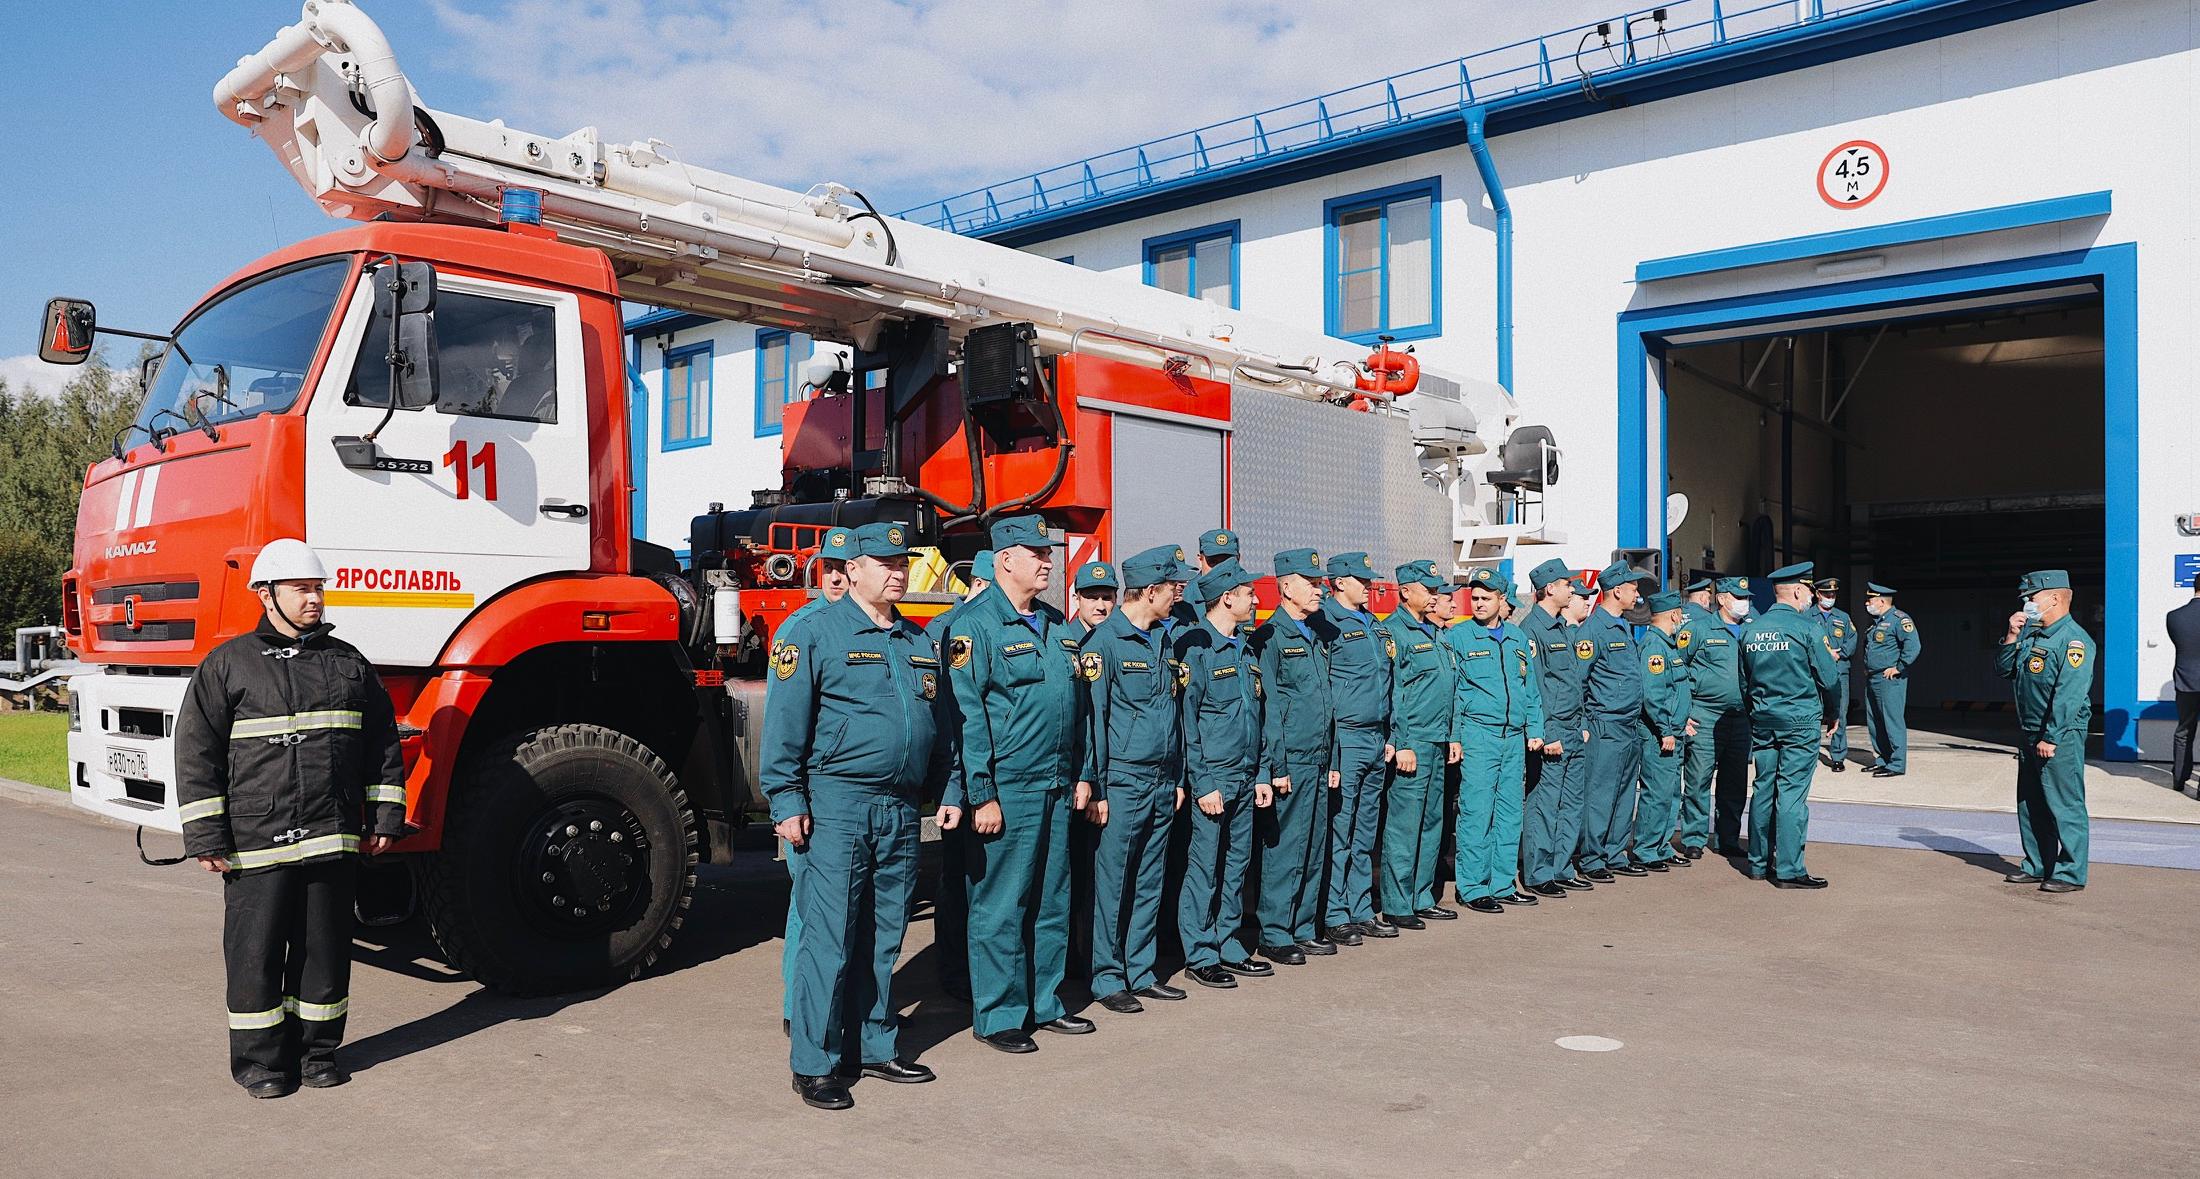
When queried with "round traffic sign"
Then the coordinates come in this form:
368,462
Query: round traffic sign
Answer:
1852,175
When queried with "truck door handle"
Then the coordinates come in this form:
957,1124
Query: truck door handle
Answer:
570,511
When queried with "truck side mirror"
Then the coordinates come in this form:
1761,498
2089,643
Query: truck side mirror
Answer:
148,368
404,298
66,334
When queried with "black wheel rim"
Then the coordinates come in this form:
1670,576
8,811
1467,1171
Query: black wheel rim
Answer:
584,866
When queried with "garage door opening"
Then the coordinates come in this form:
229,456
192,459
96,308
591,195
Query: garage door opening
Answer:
1944,453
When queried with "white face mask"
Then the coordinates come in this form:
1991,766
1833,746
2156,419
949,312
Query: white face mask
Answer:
2031,612
1741,609
1876,608
1824,602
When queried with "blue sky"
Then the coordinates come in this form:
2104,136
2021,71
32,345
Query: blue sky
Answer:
125,186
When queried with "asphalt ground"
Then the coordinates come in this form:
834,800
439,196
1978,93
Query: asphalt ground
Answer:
1917,1018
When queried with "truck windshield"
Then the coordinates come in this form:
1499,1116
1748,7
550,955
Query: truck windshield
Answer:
246,353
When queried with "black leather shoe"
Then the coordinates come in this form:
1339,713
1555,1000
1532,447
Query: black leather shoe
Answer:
1804,881
1625,870
1122,1003
1485,905
823,1092
1549,888
900,1072
325,1076
1732,851
1015,1040
1286,955
1679,860
1518,898
1318,947
1212,976
1884,772
1693,853
1069,1025
1437,913
1163,992
1599,876
2061,886
2021,877
1654,865
1840,766
272,1087
1347,934
1249,968
1406,921
1378,928
1574,884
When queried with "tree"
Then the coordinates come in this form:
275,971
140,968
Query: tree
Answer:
46,444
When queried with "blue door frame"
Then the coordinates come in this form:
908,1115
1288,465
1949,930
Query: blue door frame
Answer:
2116,270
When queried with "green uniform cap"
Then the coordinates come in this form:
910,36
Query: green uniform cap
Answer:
981,566
1151,567
1665,600
1830,583
1350,565
1581,587
1791,574
1619,573
1095,575
1548,572
1738,586
1701,584
1220,542
1875,587
884,539
1222,579
839,544
2043,579
1027,531
1304,562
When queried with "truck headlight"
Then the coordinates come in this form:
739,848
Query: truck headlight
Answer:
76,712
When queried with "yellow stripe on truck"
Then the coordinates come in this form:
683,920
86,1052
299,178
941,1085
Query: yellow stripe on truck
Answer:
399,600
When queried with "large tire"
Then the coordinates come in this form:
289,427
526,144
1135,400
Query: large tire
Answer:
568,862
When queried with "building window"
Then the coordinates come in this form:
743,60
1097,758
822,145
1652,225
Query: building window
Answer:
1202,263
687,396
1382,259
779,356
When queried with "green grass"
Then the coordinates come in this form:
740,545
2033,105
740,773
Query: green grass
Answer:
34,748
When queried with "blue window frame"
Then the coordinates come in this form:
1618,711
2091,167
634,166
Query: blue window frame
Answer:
687,405
779,357
1202,263
1383,262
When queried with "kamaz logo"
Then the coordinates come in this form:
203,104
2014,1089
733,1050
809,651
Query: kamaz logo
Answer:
140,548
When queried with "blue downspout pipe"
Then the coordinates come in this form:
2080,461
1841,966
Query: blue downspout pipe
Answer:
1483,164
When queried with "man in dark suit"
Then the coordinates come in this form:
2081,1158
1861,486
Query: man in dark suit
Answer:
2184,634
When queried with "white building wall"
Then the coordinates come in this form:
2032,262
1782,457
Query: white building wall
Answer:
738,460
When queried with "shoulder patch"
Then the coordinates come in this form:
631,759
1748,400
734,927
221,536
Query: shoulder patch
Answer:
1088,664
958,652
1585,650
1907,625
1180,674
2076,654
785,660
1682,640
1656,665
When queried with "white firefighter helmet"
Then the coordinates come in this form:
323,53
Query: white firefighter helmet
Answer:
287,560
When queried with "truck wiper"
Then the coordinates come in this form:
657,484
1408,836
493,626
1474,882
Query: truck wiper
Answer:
116,444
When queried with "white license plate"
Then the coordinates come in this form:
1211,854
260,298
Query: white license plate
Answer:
127,763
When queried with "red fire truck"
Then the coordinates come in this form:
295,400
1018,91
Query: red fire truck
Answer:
436,401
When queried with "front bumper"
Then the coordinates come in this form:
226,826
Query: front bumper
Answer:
122,762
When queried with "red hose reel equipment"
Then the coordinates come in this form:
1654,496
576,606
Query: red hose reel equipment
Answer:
1389,373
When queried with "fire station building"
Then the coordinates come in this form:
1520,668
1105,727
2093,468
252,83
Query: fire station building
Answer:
1896,286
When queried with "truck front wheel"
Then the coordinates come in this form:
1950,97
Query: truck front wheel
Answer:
568,862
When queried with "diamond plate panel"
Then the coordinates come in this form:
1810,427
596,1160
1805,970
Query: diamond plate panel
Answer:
1308,474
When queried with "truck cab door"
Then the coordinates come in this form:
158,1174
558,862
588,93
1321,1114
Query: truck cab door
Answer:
485,489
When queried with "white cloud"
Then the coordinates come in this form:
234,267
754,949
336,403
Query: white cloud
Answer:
28,373
916,100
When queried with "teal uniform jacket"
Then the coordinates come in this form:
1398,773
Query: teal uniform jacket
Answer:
1563,682
2052,667
1789,674
850,706
1224,746
1422,683
1891,642
1613,687
1359,664
1713,659
1839,628
1294,671
1016,691
1499,680
1133,696
1666,695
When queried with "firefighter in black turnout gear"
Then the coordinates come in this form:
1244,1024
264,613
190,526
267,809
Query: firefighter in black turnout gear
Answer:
287,766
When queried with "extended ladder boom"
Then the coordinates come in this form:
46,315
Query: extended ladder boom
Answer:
328,95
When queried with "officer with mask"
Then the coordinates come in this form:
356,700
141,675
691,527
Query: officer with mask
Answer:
1665,725
1715,776
1292,834
1552,811
847,805
2051,661
1423,734
1614,697
1890,649
287,766
1359,660
1792,681
1229,772
1019,704
1499,703
1137,778
1841,630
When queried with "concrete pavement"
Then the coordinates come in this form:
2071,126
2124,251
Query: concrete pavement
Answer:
1918,1018
1969,763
